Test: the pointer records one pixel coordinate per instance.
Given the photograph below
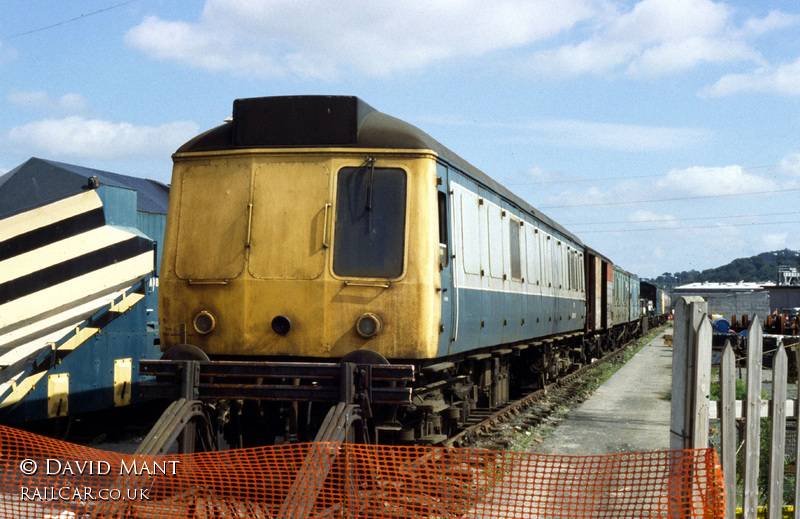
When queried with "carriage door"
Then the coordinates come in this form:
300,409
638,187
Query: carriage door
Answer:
447,293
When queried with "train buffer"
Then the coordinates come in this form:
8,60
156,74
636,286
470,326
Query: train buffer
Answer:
195,386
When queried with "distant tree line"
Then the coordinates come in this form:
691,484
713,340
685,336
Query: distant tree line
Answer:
755,269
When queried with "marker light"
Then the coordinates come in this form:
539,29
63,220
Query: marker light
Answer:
204,323
368,325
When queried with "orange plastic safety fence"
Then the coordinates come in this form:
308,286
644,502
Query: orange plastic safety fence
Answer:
42,478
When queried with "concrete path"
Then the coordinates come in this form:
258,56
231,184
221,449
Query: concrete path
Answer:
629,413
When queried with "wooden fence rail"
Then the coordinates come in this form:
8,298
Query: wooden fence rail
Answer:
691,383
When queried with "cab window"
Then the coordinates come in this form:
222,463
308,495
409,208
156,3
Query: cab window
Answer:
369,234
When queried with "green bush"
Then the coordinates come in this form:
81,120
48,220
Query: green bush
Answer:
741,390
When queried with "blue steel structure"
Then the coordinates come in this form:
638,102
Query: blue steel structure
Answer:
79,351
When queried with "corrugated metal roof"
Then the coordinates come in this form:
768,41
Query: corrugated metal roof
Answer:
707,286
38,181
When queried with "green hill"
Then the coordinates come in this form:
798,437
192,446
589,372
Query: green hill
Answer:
760,268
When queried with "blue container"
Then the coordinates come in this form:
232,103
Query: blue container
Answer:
721,325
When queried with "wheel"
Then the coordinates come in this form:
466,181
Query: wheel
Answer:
184,352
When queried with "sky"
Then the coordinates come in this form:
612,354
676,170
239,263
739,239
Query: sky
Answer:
663,133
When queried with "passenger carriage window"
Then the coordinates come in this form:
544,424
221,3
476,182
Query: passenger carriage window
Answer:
470,233
548,267
574,270
568,259
444,254
369,234
513,242
495,226
532,254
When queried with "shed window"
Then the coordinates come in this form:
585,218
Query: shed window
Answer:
369,236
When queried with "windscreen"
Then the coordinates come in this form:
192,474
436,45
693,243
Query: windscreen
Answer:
369,235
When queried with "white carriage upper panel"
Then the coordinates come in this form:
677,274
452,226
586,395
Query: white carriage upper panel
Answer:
502,251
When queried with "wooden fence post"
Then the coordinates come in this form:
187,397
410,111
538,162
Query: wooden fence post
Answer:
691,383
727,427
702,384
690,311
752,412
797,438
777,415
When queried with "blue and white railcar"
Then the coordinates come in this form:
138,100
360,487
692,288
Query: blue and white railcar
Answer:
516,274
339,232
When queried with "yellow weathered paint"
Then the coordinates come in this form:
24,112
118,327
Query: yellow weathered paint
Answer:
58,395
123,371
249,237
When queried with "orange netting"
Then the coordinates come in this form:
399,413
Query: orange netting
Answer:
42,478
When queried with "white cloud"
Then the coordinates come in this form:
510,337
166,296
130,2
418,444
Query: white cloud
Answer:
77,137
69,104
728,180
536,174
653,219
7,55
659,37
775,20
782,79
614,136
29,99
676,56
73,103
594,197
775,241
790,164
276,37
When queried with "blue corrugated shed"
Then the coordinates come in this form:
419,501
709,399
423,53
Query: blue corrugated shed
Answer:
136,208
37,182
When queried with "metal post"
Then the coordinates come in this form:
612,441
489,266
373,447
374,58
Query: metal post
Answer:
190,378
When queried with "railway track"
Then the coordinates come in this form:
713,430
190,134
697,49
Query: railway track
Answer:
493,429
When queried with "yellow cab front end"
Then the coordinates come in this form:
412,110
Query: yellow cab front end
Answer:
309,252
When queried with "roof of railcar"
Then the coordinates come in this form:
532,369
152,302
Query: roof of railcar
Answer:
336,121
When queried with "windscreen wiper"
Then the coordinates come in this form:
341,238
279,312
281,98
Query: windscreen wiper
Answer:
368,201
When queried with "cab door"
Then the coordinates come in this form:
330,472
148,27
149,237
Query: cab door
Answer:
446,293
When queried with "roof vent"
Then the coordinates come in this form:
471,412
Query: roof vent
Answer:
297,120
